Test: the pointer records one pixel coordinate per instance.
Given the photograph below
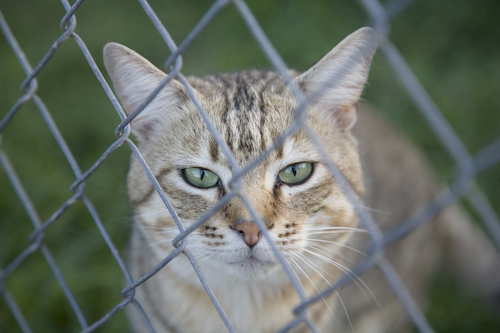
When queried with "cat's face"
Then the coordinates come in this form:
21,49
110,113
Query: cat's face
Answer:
302,206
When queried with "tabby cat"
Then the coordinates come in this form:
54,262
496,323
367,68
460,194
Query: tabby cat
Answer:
304,209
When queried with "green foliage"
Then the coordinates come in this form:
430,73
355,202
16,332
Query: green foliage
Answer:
452,45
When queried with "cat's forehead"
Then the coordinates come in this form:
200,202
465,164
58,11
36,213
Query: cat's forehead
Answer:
248,93
249,109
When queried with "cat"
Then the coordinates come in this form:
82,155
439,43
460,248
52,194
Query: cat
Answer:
304,209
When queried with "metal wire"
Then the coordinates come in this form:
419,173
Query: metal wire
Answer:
468,166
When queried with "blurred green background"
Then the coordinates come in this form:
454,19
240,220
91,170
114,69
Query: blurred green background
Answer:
453,46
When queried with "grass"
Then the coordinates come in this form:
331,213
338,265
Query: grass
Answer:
451,45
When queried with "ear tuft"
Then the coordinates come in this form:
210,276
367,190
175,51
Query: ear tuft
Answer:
339,77
134,78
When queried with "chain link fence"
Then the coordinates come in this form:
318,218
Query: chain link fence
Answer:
42,248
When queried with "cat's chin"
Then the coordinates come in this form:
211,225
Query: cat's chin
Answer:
252,268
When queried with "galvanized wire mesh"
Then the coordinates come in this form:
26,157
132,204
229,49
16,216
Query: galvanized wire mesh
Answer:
468,166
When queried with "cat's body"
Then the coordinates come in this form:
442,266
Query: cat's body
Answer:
305,210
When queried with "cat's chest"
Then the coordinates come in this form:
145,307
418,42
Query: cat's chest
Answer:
244,302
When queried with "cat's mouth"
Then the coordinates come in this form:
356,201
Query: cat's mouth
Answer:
251,259
253,266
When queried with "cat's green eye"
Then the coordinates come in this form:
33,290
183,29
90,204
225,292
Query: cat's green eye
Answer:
200,177
295,173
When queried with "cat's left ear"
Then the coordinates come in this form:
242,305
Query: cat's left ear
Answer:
339,77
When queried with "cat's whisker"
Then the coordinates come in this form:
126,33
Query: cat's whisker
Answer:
345,310
339,244
360,284
329,232
350,229
161,228
331,261
201,259
363,287
332,231
307,262
162,241
337,233
297,265
168,240
198,252
290,260
176,232
310,263
326,251
163,231
374,210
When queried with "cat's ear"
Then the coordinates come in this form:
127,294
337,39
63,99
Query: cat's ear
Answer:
339,77
134,78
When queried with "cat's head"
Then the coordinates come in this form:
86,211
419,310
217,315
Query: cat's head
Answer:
292,190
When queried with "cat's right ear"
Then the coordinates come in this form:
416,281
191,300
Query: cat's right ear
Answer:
134,78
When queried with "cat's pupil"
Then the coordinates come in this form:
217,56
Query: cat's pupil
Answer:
295,173
200,177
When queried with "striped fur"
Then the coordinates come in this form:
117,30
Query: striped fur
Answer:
312,223
249,110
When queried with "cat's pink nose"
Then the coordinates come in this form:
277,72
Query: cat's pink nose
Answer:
249,232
